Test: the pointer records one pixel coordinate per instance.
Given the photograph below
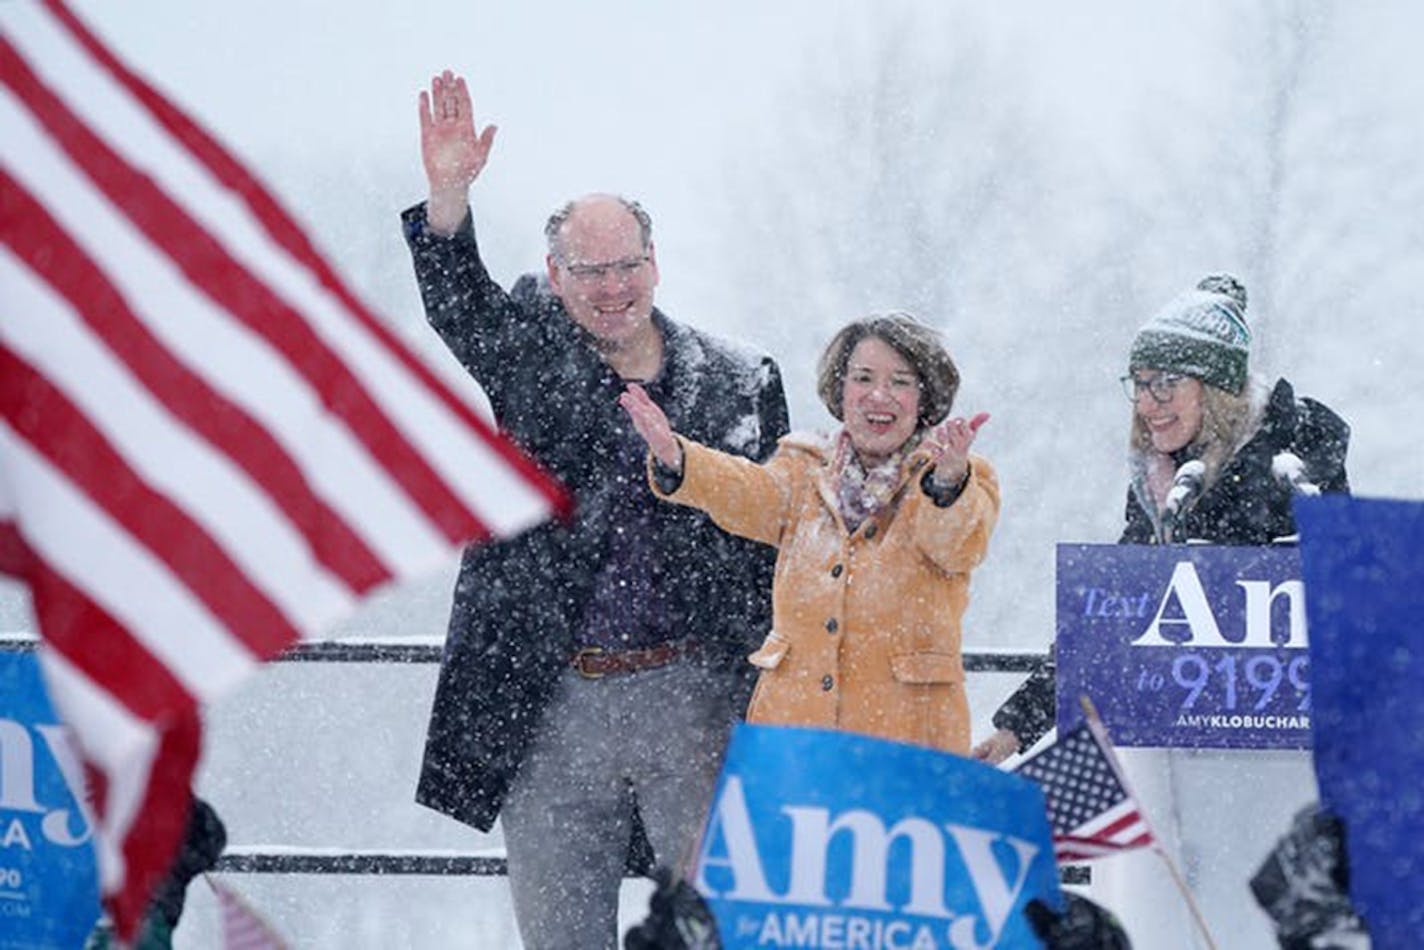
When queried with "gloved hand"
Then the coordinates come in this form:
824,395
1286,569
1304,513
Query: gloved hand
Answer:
1304,885
1083,925
678,919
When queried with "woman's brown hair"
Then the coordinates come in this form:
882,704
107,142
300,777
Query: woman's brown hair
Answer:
919,345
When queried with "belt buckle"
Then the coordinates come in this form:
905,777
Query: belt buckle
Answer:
581,655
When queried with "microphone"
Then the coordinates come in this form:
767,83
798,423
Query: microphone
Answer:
1186,485
1289,470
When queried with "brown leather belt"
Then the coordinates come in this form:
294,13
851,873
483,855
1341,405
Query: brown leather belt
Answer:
596,662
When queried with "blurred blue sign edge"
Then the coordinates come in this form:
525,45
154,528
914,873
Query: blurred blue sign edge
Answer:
774,772
49,891
1363,567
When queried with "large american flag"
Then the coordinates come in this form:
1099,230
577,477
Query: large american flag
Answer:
209,448
1089,807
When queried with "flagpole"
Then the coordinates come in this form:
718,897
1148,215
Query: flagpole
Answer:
1095,724
1186,894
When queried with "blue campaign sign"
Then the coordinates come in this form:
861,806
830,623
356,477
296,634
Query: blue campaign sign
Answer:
1195,646
828,839
49,893
1363,563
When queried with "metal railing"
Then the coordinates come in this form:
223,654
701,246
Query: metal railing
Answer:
428,650
282,859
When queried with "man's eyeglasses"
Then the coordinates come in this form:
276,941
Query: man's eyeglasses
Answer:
1162,386
592,273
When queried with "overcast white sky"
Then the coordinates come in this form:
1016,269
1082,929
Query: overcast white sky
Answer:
647,98
634,97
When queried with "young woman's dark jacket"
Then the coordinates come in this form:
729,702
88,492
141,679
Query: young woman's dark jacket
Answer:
519,602
1246,504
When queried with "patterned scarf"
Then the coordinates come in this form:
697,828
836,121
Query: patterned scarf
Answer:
863,493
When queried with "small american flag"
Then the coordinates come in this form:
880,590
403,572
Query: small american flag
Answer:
1089,807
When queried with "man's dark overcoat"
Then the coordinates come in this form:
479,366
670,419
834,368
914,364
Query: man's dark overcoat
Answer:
518,602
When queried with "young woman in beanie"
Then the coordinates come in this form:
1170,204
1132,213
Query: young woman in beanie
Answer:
1215,456
1193,402
877,531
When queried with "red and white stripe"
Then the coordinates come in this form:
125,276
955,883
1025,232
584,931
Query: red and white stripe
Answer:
1120,828
208,447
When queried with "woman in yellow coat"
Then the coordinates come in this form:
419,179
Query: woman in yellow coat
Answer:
877,529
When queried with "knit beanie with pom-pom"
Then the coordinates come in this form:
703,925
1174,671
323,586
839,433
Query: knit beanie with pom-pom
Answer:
1202,334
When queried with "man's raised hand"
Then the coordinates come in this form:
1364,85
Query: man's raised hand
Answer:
453,151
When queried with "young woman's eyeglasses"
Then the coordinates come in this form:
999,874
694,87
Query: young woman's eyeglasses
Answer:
591,273
1162,386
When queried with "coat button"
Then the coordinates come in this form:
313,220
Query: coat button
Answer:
827,682
869,532
837,570
832,626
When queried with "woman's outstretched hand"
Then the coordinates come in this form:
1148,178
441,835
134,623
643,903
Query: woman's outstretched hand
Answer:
652,425
950,442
